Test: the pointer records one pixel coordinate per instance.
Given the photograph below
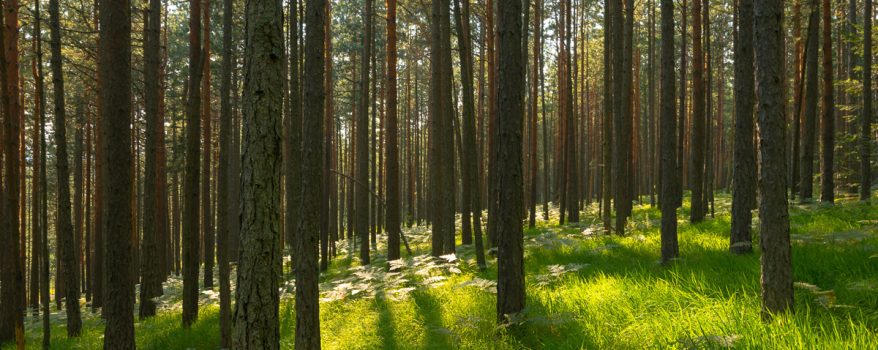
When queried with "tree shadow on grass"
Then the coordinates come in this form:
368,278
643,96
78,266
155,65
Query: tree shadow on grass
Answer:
430,314
386,330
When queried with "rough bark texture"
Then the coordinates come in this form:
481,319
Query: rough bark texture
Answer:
698,124
744,171
827,122
469,160
866,117
806,181
225,180
64,228
774,224
207,232
293,137
670,248
361,187
191,234
510,247
115,66
257,296
441,131
11,294
151,284
307,290
392,166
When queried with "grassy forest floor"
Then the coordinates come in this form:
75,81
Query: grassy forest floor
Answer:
585,290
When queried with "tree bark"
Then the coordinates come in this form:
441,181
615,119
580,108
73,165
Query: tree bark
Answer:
806,184
510,247
257,297
698,125
191,233
151,286
827,130
866,117
744,171
392,166
115,66
361,188
64,228
307,290
774,225
225,179
670,248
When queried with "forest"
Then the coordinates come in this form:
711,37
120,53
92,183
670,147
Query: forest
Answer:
437,174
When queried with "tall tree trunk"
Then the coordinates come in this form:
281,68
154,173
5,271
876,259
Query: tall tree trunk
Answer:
441,132
744,172
684,111
307,290
225,180
207,232
361,193
607,168
115,66
510,247
866,117
12,292
64,228
257,298
392,165
151,286
191,233
698,124
774,224
572,203
798,85
827,127
469,166
806,185
293,138
670,248
36,184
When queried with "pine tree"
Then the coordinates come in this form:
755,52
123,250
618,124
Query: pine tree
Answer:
744,172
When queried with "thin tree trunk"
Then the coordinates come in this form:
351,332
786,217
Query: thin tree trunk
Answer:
744,172
806,185
361,196
670,248
827,131
191,233
866,117
510,247
64,228
307,290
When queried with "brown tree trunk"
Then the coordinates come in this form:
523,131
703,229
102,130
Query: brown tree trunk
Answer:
469,161
774,224
11,276
64,225
866,117
225,180
392,165
150,286
827,127
207,232
115,66
257,297
670,248
510,247
361,187
806,185
744,172
191,233
307,290
697,143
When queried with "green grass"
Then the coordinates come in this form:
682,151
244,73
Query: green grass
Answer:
585,291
